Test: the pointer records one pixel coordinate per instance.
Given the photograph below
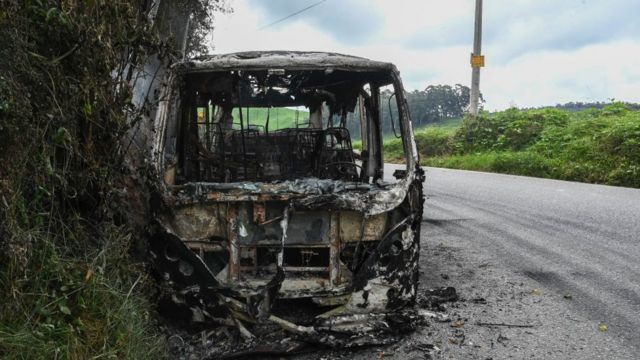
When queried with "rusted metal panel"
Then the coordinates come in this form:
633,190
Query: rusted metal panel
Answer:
352,226
234,247
197,222
259,212
309,227
334,249
170,175
374,227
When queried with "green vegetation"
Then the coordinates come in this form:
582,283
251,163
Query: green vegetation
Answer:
595,145
432,139
436,105
57,305
279,118
71,284
449,124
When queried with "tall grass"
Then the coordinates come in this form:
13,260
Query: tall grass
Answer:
64,306
70,287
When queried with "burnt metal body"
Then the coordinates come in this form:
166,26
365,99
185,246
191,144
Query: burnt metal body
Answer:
251,212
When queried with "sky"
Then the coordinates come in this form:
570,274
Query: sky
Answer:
538,52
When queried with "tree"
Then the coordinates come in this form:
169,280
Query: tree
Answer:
432,105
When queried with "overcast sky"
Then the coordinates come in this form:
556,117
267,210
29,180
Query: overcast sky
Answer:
538,52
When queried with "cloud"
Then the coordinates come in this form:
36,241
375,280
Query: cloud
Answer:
593,73
350,22
539,52
426,24
517,28
510,28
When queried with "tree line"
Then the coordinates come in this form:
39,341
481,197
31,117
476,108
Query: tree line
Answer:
434,104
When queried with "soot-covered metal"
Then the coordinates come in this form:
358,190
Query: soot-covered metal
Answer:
264,200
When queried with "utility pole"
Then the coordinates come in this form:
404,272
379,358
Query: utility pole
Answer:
477,61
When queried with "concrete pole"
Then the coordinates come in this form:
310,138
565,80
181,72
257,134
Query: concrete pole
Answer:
477,52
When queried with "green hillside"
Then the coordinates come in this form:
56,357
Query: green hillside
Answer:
279,118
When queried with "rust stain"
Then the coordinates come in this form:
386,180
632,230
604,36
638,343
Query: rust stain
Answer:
259,212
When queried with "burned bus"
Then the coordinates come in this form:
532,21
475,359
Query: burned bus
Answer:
272,185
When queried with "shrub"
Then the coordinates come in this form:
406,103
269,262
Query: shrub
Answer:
434,141
71,287
511,129
600,146
622,137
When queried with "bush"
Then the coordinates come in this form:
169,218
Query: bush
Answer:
511,129
622,137
393,150
65,307
71,287
431,141
599,146
434,141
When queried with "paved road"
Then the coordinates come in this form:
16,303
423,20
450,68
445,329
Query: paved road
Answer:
572,238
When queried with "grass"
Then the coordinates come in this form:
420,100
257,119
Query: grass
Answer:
73,211
432,140
59,306
595,146
449,124
279,118
517,163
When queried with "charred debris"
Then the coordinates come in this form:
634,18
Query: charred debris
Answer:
279,231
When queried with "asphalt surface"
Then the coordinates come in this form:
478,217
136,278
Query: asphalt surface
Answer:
577,241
